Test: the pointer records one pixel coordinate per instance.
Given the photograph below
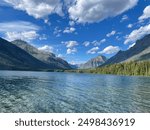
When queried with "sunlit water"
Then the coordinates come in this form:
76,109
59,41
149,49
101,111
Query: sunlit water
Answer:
70,92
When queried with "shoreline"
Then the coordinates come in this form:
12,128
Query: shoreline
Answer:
75,71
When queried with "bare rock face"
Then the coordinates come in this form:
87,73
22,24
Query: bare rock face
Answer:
46,57
93,63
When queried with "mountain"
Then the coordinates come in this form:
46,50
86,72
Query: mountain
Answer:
93,63
46,57
139,52
74,66
13,57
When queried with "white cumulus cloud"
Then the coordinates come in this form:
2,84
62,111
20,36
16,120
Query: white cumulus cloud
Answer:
95,42
71,44
93,50
124,18
111,33
37,8
146,14
71,23
103,40
81,11
137,34
26,36
86,43
19,30
57,31
130,25
110,50
71,50
46,48
17,26
69,30
90,11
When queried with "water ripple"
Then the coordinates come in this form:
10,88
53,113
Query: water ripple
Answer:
67,92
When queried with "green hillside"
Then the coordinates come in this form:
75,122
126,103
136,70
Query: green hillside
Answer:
129,68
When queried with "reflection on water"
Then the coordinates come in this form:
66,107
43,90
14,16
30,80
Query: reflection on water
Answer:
69,92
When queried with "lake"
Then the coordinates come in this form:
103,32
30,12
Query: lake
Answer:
50,92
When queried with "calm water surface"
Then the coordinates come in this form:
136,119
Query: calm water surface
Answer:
70,92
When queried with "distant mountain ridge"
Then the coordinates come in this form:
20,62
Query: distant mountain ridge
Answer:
93,63
46,57
22,56
139,52
13,57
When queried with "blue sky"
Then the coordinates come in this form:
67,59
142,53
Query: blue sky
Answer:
76,30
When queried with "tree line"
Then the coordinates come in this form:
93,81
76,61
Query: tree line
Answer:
128,68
